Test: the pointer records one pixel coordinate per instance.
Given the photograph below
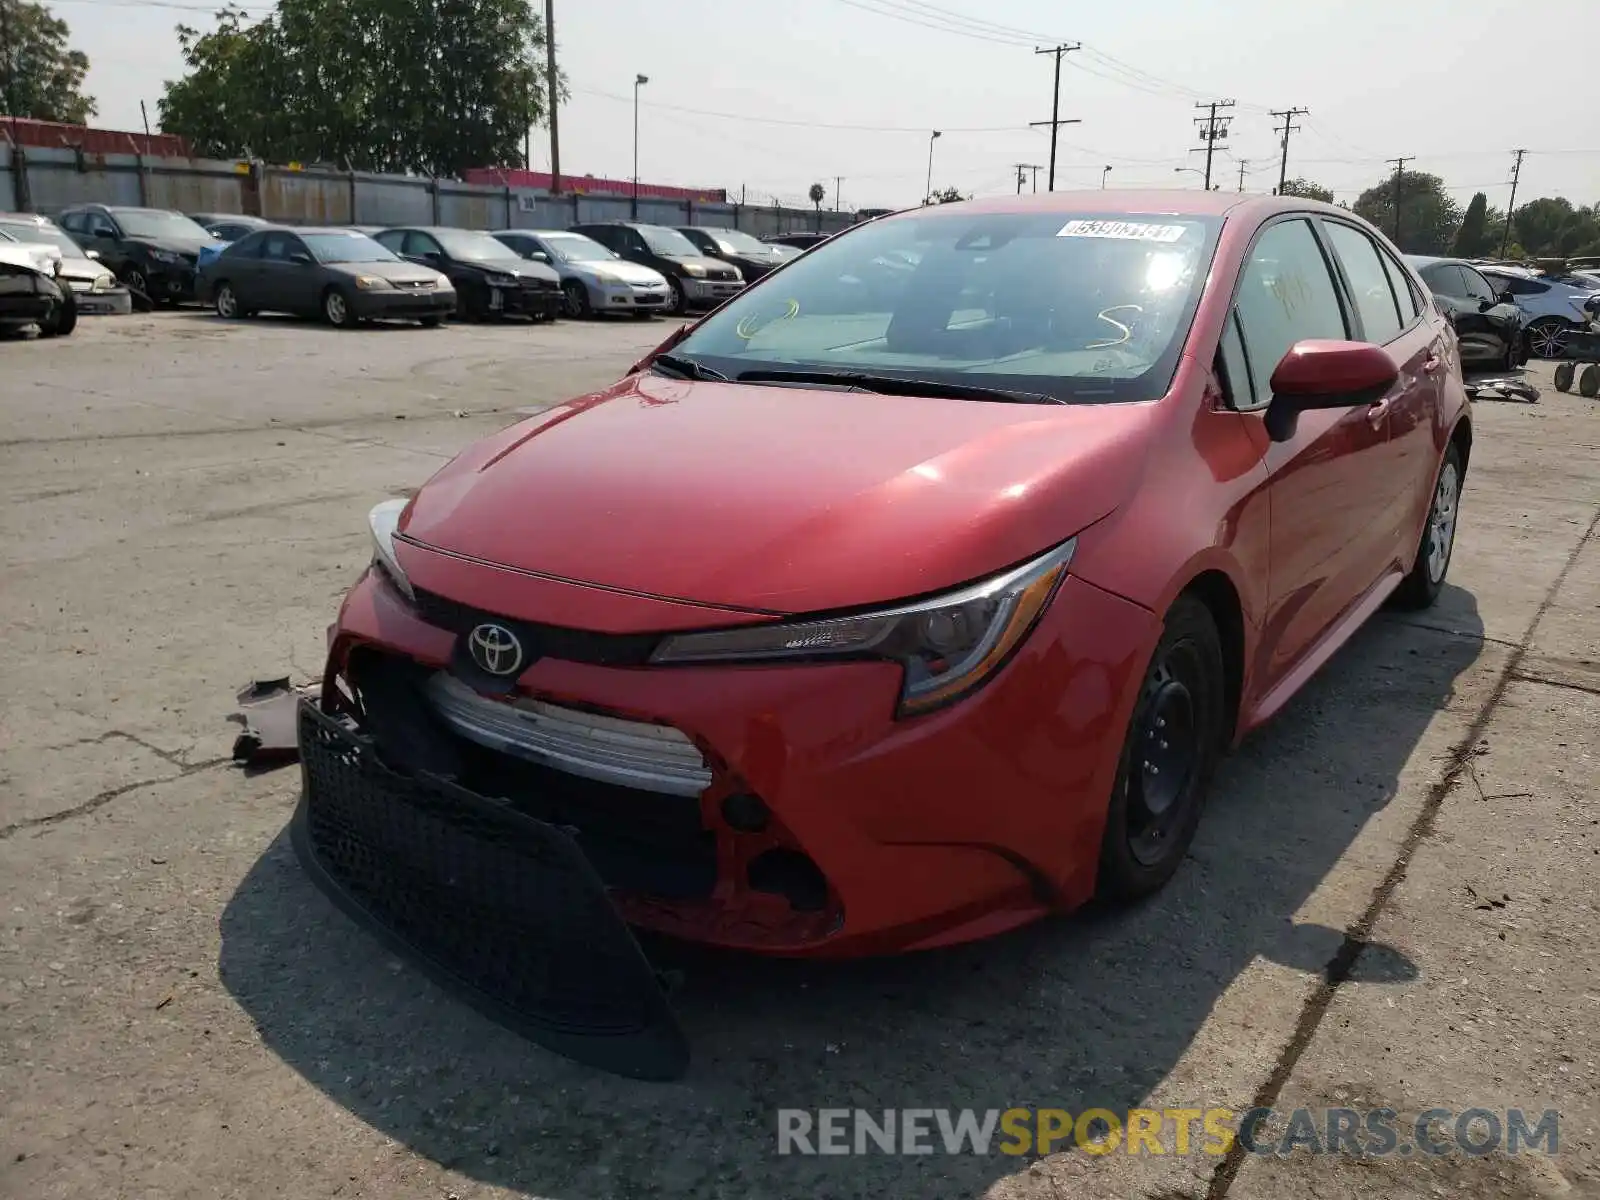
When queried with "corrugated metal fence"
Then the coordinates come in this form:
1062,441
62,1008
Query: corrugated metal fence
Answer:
48,180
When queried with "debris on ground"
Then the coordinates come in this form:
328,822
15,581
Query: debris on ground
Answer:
1503,387
269,736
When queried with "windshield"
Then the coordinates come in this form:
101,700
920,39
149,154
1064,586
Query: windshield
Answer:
662,240
153,223
346,248
1083,309
574,247
733,242
47,235
470,246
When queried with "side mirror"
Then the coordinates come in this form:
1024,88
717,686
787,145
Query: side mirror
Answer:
300,258
1486,305
538,256
432,256
1326,374
1507,298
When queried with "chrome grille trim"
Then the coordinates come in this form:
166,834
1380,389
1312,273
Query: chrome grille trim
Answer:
651,758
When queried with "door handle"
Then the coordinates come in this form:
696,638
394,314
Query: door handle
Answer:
1432,363
1378,410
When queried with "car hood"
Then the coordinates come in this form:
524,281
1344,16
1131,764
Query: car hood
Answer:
83,268
394,272
618,268
522,268
179,245
699,260
779,499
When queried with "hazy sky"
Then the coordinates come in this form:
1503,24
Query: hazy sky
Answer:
1437,79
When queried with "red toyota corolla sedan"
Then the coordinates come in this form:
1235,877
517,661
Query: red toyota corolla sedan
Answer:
907,597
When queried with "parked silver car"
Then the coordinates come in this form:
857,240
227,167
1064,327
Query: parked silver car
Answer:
94,286
593,279
1553,310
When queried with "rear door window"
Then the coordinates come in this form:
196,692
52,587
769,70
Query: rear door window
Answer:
1477,287
1405,292
1369,282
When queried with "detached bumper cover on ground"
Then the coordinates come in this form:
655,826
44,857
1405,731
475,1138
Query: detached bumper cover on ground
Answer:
501,906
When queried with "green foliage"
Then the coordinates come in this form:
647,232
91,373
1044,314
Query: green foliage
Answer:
1474,237
948,196
39,77
425,86
818,194
1305,188
1554,228
1429,217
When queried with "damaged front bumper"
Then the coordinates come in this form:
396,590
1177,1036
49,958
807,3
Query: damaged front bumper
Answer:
502,907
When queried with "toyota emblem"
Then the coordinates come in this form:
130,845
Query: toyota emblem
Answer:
496,649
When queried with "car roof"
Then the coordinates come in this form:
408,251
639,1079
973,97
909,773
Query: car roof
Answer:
1434,260
1176,202
27,218
234,219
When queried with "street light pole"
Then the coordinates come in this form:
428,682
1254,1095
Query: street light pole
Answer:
638,82
927,192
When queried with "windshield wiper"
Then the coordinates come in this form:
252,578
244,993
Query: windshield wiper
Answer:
687,368
894,385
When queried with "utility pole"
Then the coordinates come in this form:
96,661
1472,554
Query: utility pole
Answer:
1244,163
1399,170
1022,173
7,61
143,115
838,182
551,97
1288,127
1055,122
1212,130
1516,174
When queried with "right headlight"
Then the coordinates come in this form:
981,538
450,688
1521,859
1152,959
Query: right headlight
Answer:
694,270
948,644
384,520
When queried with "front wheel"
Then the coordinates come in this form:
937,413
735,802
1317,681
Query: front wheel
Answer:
1422,586
431,321
1168,757
576,297
1547,338
63,318
680,300
336,309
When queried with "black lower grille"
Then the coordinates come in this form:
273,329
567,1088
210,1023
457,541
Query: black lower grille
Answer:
500,904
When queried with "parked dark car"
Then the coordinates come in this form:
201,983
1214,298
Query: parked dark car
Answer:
489,277
753,258
1488,325
229,227
30,296
152,250
800,241
696,279
339,275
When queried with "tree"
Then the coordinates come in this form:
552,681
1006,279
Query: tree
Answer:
428,86
1475,237
1305,188
1554,228
948,196
818,193
1429,218
39,77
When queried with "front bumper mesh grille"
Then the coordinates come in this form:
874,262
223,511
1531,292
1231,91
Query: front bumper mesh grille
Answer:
503,906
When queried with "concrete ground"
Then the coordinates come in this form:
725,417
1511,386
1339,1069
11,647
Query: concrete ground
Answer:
1392,901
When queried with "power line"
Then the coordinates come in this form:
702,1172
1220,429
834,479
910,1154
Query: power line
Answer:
1288,115
726,116
1213,128
1516,175
1055,122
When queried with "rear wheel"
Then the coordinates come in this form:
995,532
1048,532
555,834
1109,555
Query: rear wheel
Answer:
336,309
227,303
1168,757
1422,586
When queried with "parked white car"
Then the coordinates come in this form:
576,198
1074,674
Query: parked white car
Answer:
593,279
94,286
1554,311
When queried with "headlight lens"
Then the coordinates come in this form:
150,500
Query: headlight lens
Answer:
384,520
369,283
948,645
166,256
694,270
103,283
502,280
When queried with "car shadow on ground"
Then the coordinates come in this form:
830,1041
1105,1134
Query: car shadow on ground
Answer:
1089,1010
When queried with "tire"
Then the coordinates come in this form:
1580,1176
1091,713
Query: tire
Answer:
576,296
680,301
1589,382
431,321
136,281
226,302
1547,337
1564,373
336,309
1422,586
63,319
1177,727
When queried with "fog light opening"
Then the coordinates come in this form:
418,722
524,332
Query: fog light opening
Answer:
745,813
792,875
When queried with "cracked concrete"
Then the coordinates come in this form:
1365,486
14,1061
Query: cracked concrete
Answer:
182,1015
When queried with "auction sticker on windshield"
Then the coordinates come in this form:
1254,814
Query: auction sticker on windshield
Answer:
1130,231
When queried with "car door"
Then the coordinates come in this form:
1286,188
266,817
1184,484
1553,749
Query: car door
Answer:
274,283
1500,326
1449,282
240,265
1328,538
101,234
1388,315
301,281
